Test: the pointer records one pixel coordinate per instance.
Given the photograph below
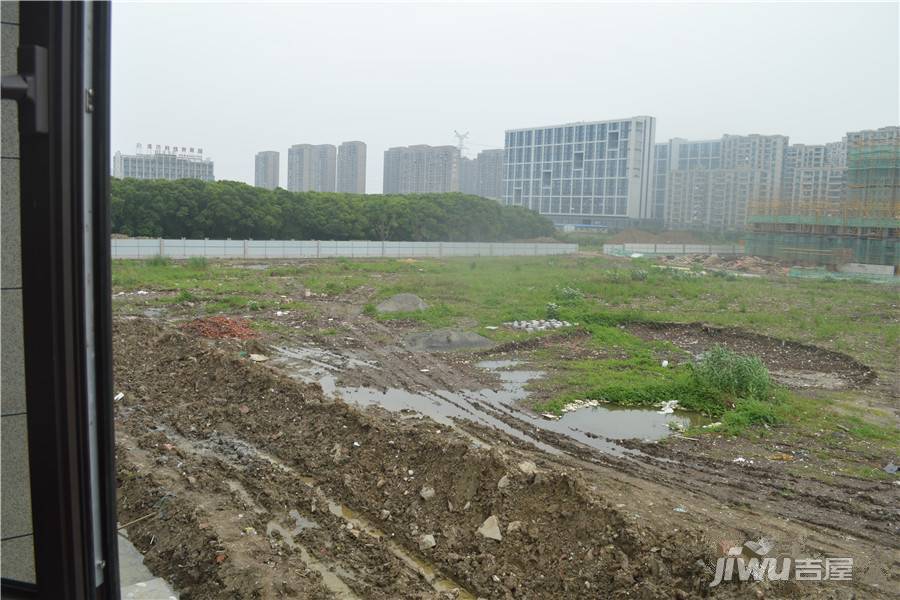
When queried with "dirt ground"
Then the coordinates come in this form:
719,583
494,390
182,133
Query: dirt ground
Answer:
250,483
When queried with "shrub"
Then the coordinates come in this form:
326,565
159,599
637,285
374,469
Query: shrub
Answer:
639,275
198,263
568,293
552,310
159,261
738,376
185,296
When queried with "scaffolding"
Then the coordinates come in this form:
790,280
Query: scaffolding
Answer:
862,228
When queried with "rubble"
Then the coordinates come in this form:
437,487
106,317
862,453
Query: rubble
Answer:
539,325
426,542
491,529
220,327
745,265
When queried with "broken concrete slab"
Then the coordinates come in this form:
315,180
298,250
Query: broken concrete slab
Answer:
445,340
402,303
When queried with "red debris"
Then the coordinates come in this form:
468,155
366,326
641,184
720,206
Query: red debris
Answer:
220,327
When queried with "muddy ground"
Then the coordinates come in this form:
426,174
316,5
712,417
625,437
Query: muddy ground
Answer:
253,484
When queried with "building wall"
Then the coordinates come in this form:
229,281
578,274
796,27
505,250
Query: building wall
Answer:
312,168
468,176
712,184
421,169
266,170
593,173
351,168
490,173
162,165
17,545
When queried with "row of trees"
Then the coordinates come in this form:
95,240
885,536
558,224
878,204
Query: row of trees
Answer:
192,208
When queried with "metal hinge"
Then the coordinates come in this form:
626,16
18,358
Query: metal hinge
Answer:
28,87
89,100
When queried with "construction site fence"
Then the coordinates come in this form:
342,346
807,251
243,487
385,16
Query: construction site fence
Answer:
671,249
823,249
257,249
824,274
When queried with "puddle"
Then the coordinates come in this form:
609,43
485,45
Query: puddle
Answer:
595,427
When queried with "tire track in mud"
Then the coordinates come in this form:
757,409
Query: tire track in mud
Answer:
572,542
549,517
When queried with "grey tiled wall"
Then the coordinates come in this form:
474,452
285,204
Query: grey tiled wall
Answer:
15,526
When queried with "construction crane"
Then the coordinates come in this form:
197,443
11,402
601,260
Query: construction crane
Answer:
462,139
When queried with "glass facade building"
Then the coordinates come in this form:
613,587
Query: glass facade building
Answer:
582,173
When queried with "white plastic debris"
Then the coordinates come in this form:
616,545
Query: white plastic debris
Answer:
664,364
637,255
668,407
356,444
491,327
259,357
142,292
119,396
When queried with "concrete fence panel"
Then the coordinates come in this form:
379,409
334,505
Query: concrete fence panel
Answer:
263,249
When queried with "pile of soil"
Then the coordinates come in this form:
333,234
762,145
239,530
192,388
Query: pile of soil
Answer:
218,448
402,303
792,359
220,327
446,340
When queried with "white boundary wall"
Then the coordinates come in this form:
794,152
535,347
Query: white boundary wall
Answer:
629,249
147,248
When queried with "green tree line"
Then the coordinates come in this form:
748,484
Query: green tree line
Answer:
191,208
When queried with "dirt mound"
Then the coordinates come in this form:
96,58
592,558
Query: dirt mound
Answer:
446,340
219,448
402,303
792,363
220,327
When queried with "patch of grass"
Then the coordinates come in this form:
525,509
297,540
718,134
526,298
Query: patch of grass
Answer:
185,296
159,261
197,263
733,374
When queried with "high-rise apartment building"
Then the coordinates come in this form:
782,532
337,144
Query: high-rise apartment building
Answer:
266,171
468,175
483,175
596,173
155,162
712,184
312,168
351,168
490,174
814,176
422,168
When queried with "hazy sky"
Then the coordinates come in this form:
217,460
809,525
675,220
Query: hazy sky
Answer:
236,78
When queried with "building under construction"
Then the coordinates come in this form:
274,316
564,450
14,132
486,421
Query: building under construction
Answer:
863,228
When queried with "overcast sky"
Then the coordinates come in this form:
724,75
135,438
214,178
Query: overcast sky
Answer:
237,78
